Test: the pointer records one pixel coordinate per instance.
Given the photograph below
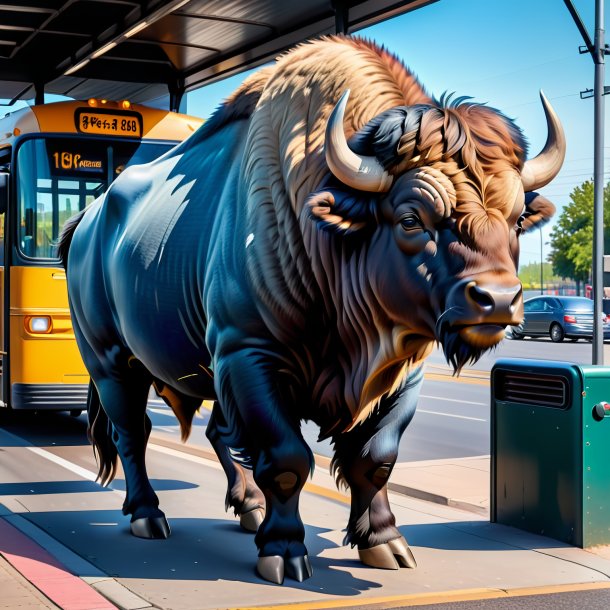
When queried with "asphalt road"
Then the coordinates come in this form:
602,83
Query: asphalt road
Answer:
452,417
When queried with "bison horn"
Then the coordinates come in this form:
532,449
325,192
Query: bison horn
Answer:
360,172
542,169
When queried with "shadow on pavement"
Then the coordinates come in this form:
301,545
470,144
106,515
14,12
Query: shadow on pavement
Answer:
45,429
475,536
198,549
67,487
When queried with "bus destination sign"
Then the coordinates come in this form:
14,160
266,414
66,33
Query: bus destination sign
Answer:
109,123
66,161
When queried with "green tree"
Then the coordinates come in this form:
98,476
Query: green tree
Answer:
530,275
572,237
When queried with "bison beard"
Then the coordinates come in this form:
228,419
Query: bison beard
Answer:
458,352
298,257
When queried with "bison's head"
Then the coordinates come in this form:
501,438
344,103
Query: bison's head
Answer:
437,197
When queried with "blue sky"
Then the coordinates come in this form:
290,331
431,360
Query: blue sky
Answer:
501,53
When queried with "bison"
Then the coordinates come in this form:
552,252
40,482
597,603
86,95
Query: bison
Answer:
297,259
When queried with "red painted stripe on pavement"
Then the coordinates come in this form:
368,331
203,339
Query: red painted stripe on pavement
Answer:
47,574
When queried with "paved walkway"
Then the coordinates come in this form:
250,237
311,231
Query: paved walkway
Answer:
18,592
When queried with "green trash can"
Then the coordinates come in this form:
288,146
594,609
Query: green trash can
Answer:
550,449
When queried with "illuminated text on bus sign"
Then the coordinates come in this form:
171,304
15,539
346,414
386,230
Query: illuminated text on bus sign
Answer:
109,122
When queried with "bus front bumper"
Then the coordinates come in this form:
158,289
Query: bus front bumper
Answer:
52,397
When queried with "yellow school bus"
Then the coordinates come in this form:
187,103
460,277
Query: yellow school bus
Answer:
55,159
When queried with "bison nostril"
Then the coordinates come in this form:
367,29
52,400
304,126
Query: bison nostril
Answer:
516,300
480,296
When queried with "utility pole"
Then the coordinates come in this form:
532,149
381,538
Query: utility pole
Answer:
598,184
598,52
541,265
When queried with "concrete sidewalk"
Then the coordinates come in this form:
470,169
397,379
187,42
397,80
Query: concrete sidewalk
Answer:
462,483
457,483
479,560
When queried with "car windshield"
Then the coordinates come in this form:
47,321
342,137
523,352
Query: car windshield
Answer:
577,304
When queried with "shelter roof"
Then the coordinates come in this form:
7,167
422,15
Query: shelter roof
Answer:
145,50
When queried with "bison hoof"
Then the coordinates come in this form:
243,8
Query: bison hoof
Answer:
252,519
392,555
274,567
151,527
271,568
298,568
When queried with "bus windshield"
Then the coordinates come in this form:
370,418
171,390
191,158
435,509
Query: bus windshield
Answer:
57,177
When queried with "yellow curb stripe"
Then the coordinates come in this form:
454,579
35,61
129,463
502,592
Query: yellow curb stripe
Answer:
422,599
449,378
331,494
444,370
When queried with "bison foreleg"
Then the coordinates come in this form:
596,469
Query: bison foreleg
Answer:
364,459
248,382
124,400
242,493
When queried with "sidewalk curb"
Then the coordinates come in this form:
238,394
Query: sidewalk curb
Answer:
105,585
324,462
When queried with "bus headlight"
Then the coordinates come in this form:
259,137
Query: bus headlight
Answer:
38,324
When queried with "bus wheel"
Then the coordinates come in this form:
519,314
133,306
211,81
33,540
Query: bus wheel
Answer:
75,412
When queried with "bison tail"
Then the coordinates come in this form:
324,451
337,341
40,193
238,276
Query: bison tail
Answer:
99,433
65,239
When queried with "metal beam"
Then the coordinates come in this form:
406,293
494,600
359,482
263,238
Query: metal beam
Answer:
138,19
581,27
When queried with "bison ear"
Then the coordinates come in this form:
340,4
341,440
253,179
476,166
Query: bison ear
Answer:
538,211
340,212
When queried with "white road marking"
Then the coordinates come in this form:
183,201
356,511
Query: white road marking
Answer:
47,455
171,429
465,402
185,456
167,412
450,415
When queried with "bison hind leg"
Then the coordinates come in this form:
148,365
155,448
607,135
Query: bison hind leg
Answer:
124,395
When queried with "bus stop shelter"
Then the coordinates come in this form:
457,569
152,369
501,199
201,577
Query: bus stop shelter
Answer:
155,51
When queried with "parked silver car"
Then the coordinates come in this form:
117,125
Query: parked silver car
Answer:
558,318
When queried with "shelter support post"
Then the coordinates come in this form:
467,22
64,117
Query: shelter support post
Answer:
39,93
341,16
177,99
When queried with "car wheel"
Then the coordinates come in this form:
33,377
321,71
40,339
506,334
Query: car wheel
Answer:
556,333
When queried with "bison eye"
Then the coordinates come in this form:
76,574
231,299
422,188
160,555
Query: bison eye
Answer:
410,222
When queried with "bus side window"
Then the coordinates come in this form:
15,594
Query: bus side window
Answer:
4,180
2,216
